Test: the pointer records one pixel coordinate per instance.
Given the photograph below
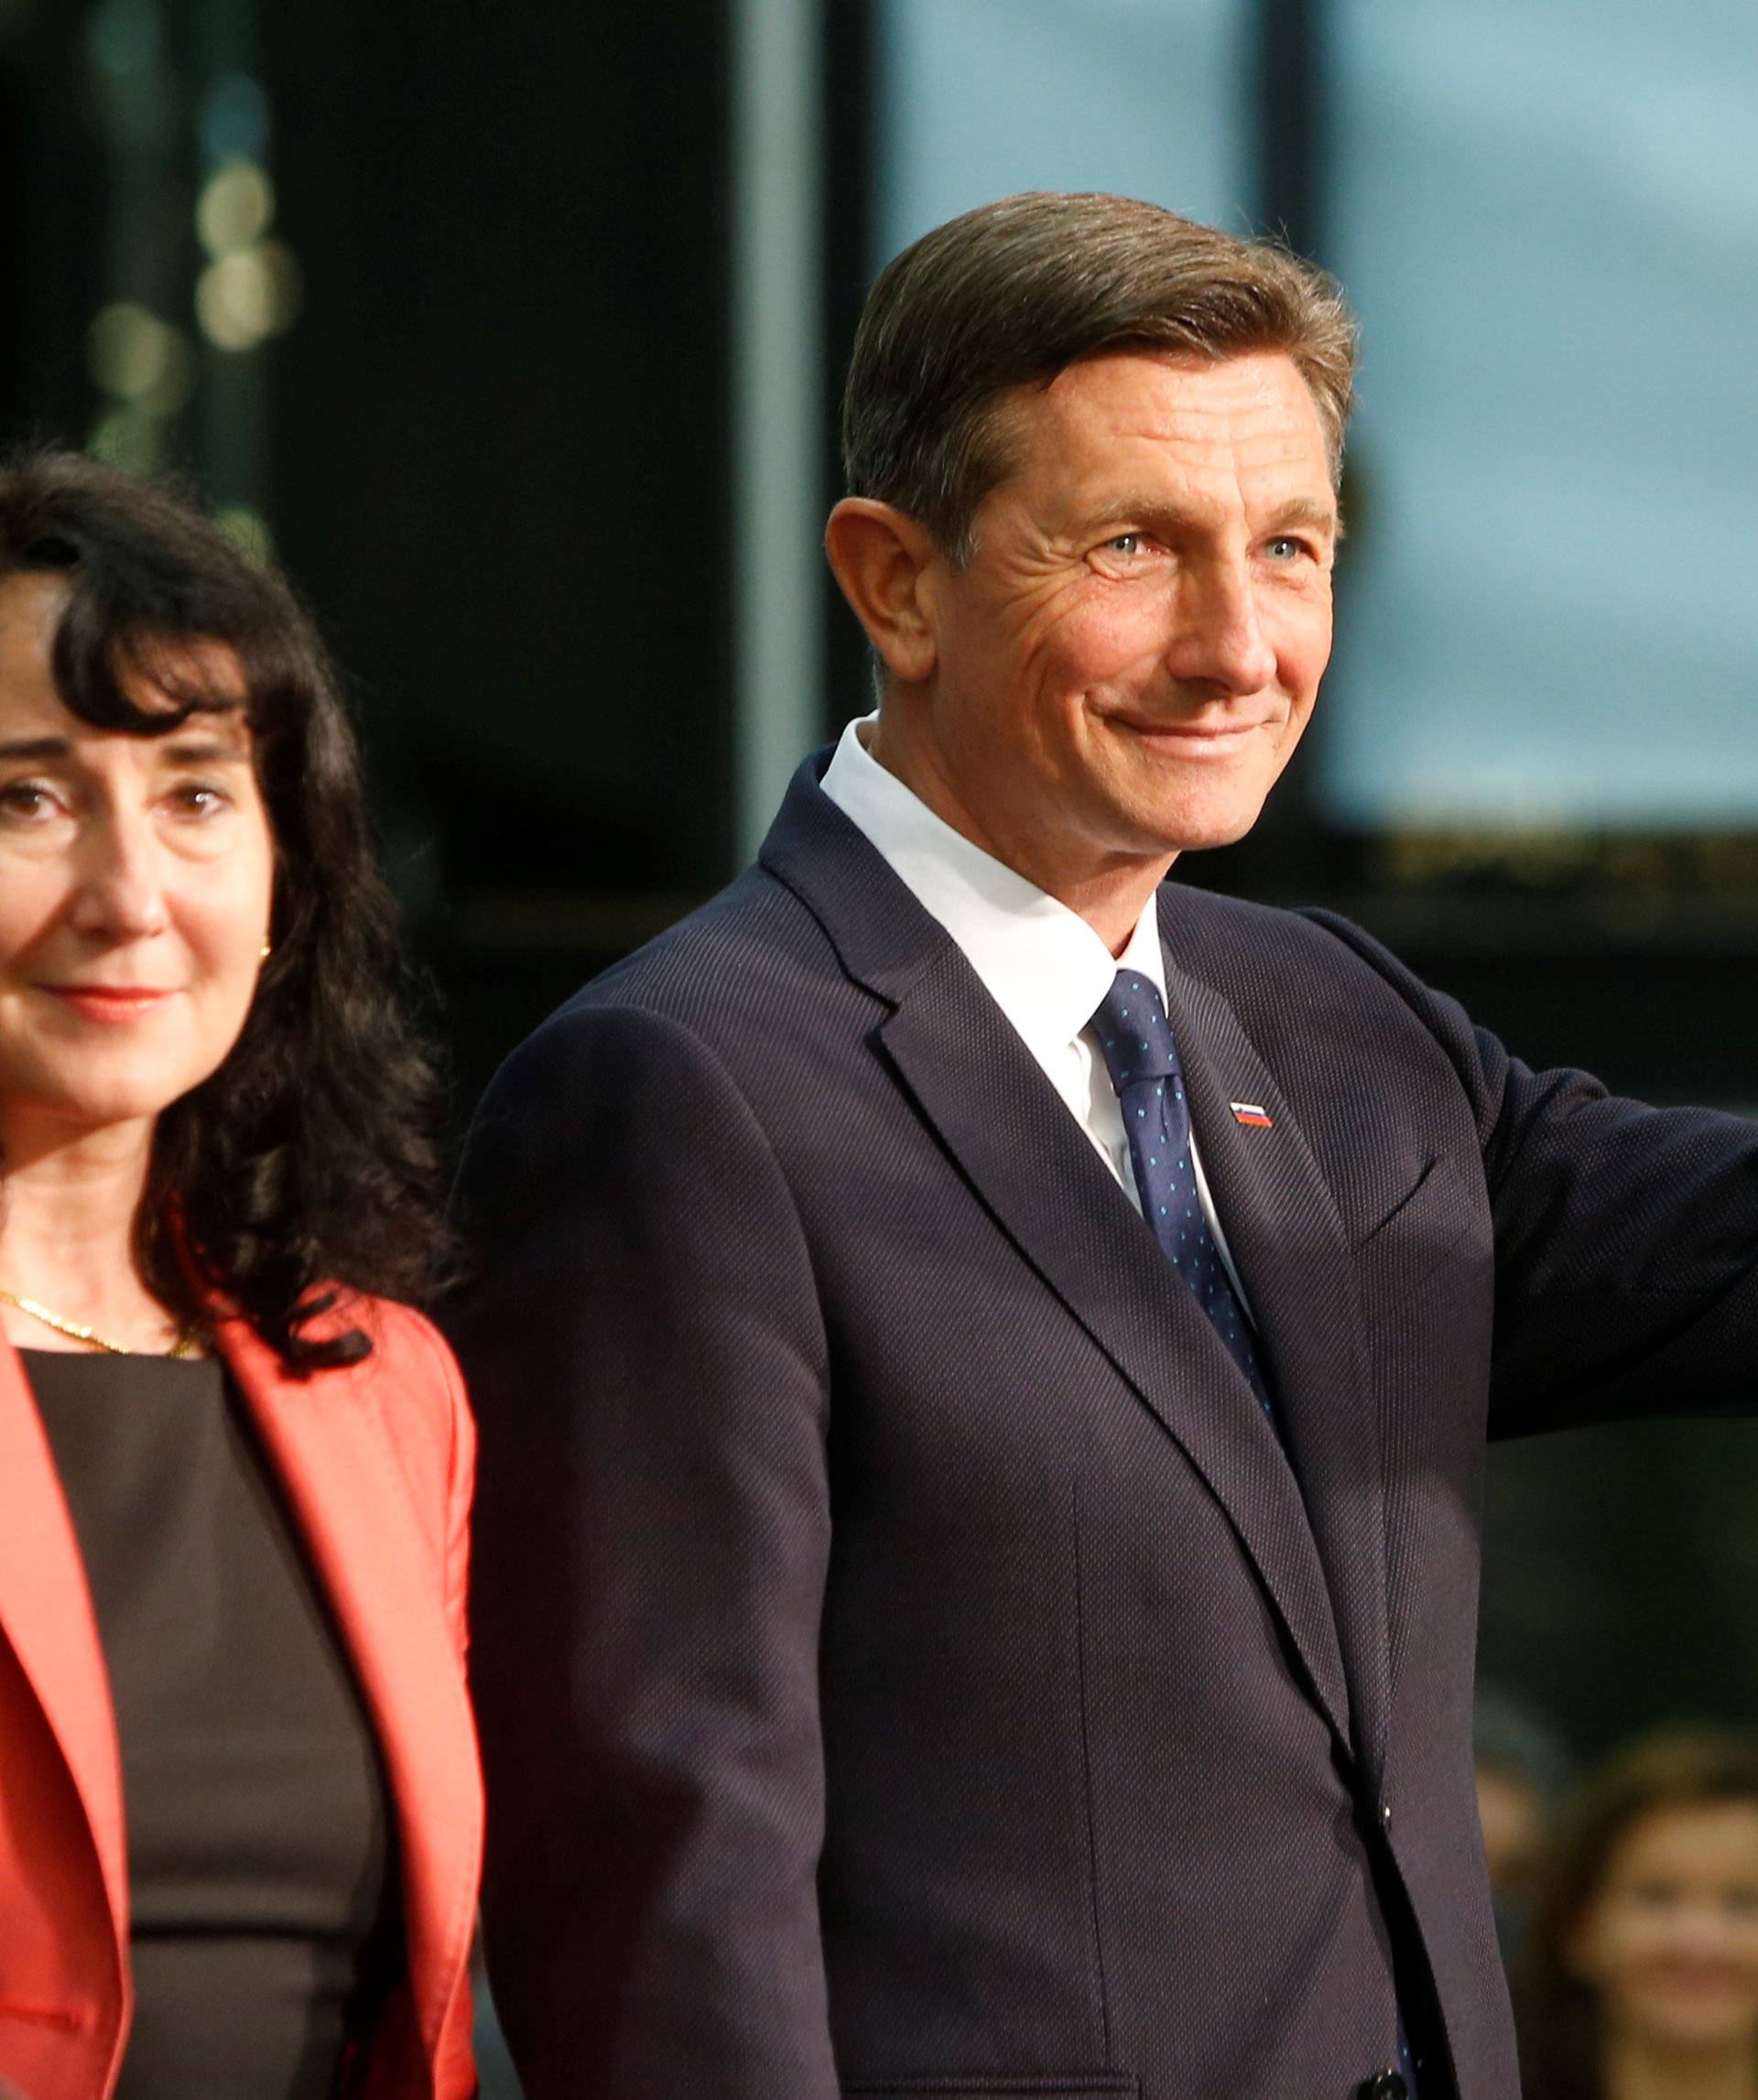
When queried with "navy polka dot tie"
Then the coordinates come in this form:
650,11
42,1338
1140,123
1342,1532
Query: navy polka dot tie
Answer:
1143,1061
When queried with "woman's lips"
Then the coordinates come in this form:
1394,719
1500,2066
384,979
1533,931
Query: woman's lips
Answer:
110,1002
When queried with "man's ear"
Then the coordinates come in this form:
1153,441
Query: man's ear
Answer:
880,557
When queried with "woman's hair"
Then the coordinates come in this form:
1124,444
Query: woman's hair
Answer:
1561,2038
306,1163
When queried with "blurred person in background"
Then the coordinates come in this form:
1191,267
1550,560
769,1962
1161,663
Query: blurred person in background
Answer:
1642,1978
240,1811
1520,1767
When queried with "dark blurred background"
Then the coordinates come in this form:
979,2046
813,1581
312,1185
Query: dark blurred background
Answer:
514,334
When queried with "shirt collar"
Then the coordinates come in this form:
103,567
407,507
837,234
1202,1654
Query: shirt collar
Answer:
1042,964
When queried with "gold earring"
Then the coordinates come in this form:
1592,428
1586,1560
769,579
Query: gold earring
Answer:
267,950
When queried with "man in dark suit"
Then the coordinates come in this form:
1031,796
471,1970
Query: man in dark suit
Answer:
983,1359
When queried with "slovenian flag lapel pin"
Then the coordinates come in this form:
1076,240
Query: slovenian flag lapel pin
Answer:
1252,1115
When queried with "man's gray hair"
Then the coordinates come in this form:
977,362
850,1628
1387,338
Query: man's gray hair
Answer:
1013,293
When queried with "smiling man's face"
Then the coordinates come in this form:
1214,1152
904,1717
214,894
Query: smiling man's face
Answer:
1124,666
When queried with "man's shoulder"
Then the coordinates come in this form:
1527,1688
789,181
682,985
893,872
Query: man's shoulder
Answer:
744,1003
754,923
1306,982
1312,988
751,964
1222,938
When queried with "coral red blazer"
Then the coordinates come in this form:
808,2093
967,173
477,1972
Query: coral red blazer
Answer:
377,1460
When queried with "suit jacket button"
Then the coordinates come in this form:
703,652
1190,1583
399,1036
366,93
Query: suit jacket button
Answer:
1384,2085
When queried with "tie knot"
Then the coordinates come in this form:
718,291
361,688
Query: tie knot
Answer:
1133,1032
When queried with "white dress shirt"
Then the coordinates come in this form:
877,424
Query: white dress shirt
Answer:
1042,964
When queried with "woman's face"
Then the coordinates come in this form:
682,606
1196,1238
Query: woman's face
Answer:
1670,1941
135,875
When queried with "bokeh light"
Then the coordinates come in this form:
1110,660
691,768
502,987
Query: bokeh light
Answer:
244,297
137,358
235,120
129,438
249,529
236,208
126,37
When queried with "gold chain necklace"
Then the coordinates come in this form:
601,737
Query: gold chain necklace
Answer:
76,1330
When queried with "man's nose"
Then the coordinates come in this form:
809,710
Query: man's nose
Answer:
1221,640
121,892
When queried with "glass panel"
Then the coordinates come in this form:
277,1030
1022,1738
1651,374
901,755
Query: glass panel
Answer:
1546,213
979,98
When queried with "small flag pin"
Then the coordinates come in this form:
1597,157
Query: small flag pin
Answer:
1251,1113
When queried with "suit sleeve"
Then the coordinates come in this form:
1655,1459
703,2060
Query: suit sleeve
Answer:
646,1356
1625,1236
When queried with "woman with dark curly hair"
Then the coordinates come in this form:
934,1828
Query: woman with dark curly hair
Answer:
240,1815
1642,1971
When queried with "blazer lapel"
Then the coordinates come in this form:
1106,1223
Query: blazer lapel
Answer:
1293,1258
1038,1173
327,1437
46,1614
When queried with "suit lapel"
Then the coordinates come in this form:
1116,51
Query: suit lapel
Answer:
1293,1258
46,1614
329,1443
1039,1175
1316,1540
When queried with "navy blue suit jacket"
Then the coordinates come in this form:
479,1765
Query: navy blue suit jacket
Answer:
908,1662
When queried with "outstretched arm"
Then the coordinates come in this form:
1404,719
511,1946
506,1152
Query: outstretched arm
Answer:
1625,1236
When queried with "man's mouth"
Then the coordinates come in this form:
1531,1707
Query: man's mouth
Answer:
1218,738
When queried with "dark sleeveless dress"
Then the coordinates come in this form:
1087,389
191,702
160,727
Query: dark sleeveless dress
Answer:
259,1820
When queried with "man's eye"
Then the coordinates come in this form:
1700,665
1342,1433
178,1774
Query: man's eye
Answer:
201,798
1285,546
1125,543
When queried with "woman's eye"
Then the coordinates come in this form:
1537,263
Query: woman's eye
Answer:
199,798
25,800
1653,1895
1125,543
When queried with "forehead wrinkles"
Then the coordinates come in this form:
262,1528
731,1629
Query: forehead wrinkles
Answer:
1204,436
1141,419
